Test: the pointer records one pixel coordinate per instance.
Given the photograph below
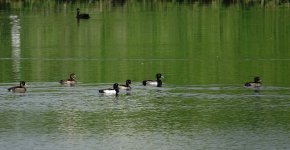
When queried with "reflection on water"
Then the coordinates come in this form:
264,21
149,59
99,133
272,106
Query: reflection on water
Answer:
171,117
16,50
205,53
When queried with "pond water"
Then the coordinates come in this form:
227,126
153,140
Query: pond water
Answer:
205,53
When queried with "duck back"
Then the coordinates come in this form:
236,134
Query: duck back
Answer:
17,89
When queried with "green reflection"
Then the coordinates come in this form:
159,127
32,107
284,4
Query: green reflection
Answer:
203,52
200,45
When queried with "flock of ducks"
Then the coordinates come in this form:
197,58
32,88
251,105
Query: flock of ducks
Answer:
71,81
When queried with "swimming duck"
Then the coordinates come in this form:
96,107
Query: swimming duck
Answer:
82,16
114,90
256,83
71,81
127,86
156,82
18,89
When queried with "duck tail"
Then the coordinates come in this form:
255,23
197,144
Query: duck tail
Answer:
247,84
101,91
61,81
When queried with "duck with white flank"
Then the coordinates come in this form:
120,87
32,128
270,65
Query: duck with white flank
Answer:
18,89
156,82
126,86
114,90
71,81
254,84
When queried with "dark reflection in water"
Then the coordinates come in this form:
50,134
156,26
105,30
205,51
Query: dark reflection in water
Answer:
7,5
118,2
204,52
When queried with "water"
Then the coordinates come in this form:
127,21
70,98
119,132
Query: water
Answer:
50,116
205,54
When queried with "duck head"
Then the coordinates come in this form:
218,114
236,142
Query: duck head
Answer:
158,76
257,80
78,11
72,76
128,82
116,87
22,83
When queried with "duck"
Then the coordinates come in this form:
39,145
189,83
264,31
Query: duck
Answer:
71,81
114,90
82,16
254,84
156,82
18,89
126,86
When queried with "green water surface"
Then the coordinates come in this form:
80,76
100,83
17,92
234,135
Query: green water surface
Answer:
206,54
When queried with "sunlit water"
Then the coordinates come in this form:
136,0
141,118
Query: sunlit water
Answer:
50,116
206,54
